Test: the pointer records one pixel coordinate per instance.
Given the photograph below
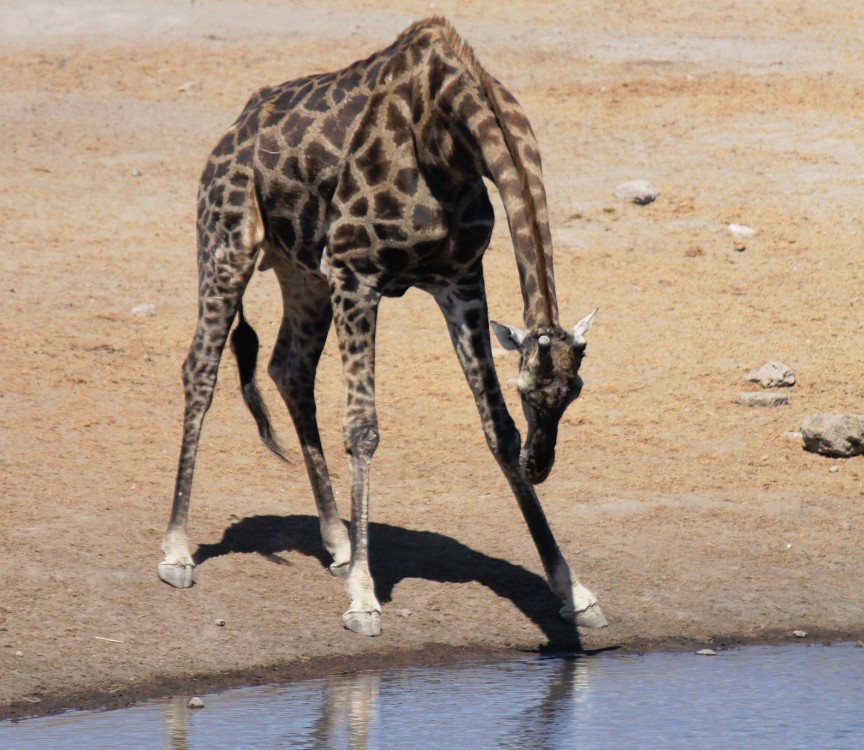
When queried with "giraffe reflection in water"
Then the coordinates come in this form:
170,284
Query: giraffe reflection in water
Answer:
538,702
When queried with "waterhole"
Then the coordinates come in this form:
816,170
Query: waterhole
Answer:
756,697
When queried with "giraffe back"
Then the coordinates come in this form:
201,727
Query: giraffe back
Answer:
376,170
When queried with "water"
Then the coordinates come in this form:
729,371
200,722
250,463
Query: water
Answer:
758,697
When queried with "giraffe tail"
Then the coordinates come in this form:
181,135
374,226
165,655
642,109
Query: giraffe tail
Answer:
244,344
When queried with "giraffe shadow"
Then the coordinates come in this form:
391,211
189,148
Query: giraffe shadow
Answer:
396,554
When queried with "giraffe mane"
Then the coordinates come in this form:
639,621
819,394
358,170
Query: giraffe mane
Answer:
490,87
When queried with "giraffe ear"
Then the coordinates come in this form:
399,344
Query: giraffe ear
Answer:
581,328
510,337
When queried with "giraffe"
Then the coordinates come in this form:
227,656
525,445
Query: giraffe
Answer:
352,186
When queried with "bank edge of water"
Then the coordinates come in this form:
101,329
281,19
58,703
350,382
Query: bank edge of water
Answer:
432,654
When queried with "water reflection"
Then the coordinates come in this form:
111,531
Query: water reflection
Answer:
345,705
758,698
174,713
349,708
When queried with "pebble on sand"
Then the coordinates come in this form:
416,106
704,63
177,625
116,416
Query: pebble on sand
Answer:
639,192
741,231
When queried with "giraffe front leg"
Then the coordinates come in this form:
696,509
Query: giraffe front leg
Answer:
465,310
355,310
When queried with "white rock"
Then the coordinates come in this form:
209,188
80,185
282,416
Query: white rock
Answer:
639,192
404,613
195,702
706,652
741,231
773,375
136,173
188,86
144,310
799,633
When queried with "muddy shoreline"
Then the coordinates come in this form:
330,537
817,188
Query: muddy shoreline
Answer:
431,655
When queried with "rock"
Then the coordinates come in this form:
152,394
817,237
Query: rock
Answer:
761,399
773,375
706,652
188,86
639,192
833,469
404,613
144,310
799,633
840,435
742,232
195,702
220,623
137,173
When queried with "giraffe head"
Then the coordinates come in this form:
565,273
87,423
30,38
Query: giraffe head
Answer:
549,360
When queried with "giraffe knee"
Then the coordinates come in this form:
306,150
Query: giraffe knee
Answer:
361,440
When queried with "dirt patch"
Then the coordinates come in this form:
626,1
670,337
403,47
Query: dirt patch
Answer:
694,520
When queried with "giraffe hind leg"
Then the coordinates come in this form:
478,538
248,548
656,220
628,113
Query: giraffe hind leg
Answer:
225,268
305,323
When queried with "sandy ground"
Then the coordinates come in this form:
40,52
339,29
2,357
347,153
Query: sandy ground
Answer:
696,521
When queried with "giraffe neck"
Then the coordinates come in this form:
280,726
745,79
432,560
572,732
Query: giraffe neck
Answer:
512,158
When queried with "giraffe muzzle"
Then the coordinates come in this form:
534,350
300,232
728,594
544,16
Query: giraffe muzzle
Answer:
537,456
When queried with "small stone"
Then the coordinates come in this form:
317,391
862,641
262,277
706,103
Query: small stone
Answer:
799,633
741,231
639,192
19,653
739,247
188,86
144,310
694,251
220,623
404,613
773,375
846,526
137,173
769,400
833,469
840,435
706,652
195,702
793,435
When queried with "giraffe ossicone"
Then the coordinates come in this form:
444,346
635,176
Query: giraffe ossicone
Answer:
352,186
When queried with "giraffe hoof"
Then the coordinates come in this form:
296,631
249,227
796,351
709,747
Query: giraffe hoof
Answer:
590,617
364,623
340,570
177,575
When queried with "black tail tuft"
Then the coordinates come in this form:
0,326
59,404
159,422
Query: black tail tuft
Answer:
244,344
